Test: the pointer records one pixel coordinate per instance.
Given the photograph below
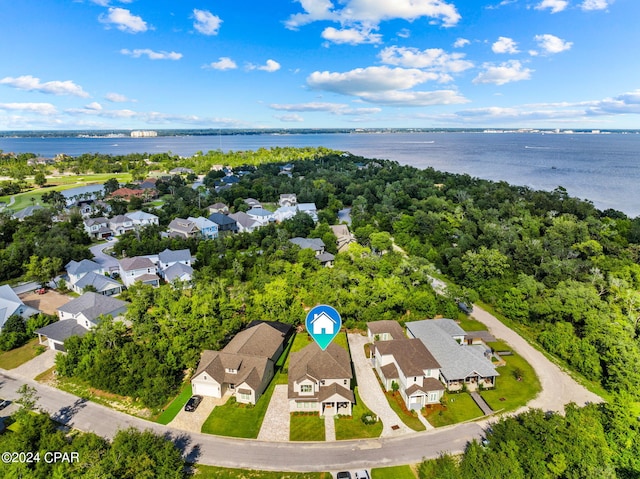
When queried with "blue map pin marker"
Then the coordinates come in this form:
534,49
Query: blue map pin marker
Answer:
323,324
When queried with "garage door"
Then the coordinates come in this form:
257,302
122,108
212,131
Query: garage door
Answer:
212,390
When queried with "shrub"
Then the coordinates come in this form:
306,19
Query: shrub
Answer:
369,418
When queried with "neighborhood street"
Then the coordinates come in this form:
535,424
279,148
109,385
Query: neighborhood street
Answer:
558,388
107,262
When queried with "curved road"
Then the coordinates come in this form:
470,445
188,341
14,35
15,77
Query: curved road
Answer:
558,388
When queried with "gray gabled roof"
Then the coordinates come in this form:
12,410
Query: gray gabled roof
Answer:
177,270
137,262
61,330
332,363
171,256
315,244
456,361
93,305
411,355
84,266
98,281
450,326
243,219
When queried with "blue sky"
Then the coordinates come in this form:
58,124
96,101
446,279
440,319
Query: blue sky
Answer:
111,64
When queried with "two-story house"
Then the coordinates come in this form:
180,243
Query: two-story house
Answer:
320,380
97,227
183,228
208,229
407,365
288,199
120,225
142,218
140,269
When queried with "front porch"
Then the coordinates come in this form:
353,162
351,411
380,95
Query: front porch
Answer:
472,383
335,408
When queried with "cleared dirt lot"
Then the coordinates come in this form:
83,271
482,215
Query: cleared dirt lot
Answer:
47,303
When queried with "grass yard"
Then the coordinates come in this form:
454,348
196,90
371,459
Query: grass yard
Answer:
16,357
468,323
410,419
239,420
307,428
396,472
510,393
353,427
214,472
460,407
175,406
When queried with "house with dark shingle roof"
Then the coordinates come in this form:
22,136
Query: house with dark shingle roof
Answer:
244,367
138,268
320,381
225,224
384,330
407,363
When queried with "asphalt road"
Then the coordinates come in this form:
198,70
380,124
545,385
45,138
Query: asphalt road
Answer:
103,259
252,454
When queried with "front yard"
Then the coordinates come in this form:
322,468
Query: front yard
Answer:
510,392
352,427
395,472
458,407
175,406
306,427
18,356
214,472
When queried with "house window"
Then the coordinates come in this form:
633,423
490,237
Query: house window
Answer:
433,397
245,397
232,386
322,382
345,382
306,388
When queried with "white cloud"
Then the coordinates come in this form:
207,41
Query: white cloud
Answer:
404,33
434,59
506,72
461,42
39,108
124,20
505,45
271,66
372,12
30,83
595,4
151,54
94,106
627,103
223,63
552,44
351,36
206,22
292,118
554,5
116,98
415,98
333,108
105,3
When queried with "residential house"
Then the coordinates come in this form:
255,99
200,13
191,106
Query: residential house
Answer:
102,284
148,184
285,213
120,225
77,269
142,218
320,380
244,367
288,199
253,203
168,258
286,170
384,330
261,216
246,224
97,227
178,272
326,259
344,237
84,207
408,365
226,225
218,208
181,171
20,215
140,269
314,244
460,364
310,209
208,229
78,316
127,193
10,304
182,228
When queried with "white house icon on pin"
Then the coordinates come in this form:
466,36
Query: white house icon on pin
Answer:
323,324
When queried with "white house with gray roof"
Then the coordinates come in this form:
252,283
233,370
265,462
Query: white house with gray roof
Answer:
460,364
10,304
138,268
246,224
261,216
170,257
102,284
77,269
142,218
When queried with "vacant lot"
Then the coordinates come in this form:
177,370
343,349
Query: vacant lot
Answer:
47,303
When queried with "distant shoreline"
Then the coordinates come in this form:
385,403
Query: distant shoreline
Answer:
294,131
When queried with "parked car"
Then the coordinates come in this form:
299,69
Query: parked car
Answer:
4,403
465,308
343,475
193,403
362,475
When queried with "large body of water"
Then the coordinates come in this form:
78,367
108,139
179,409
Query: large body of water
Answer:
604,168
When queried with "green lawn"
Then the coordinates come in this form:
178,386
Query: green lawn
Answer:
307,428
214,472
353,427
510,393
460,407
176,405
16,357
239,420
469,324
396,472
61,183
410,419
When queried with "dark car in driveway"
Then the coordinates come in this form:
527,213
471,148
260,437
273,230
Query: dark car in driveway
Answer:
4,403
193,403
343,475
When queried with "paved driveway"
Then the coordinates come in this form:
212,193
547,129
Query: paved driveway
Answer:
103,259
37,365
370,390
193,421
276,422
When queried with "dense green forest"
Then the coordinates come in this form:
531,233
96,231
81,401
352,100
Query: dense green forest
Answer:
566,272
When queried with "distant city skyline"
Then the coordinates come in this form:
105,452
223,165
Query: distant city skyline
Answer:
153,65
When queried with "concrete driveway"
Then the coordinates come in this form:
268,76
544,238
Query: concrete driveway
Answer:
370,391
37,365
193,421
